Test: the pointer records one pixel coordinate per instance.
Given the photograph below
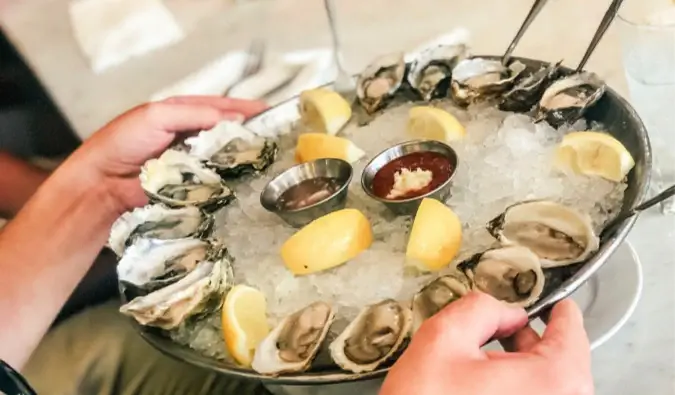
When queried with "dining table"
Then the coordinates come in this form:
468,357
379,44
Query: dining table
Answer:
639,359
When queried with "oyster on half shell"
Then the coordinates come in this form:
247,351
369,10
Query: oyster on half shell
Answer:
178,179
201,290
436,295
379,81
294,342
232,150
430,73
527,91
557,234
568,98
479,79
158,222
510,274
376,333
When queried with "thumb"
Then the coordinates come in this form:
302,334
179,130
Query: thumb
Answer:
565,333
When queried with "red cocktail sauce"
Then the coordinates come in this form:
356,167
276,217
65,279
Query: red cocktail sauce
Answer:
437,163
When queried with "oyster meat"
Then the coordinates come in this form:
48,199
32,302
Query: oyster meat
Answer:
376,333
158,222
178,179
292,345
430,73
511,274
379,81
568,98
557,234
479,79
231,149
528,90
200,291
436,295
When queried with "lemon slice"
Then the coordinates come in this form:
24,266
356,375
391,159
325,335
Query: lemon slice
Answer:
432,123
324,110
312,146
594,154
327,242
435,238
244,319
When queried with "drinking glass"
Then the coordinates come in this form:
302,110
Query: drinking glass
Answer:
647,30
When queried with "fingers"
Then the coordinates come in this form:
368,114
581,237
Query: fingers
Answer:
247,108
471,321
565,331
525,339
174,117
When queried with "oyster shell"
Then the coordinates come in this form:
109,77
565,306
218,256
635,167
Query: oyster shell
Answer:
568,98
557,234
149,264
379,81
178,179
200,291
158,222
372,337
528,90
232,150
436,295
511,274
478,79
292,345
430,73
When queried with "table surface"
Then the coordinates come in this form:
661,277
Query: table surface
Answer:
639,359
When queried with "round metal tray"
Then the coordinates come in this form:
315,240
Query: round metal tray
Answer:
612,110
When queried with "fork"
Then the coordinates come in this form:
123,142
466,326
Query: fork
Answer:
344,83
254,62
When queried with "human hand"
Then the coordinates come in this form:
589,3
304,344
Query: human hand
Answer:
114,154
444,356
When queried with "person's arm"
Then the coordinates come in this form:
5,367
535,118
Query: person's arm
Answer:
18,181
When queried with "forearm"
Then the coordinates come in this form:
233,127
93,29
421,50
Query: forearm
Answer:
18,182
44,252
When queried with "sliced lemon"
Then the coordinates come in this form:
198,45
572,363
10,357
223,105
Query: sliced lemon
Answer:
594,154
327,242
324,110
433,123
312,146
435,238
244,319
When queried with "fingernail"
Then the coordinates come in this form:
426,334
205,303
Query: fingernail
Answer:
233,116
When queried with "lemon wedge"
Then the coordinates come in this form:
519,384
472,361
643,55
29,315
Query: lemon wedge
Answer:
312,146
324,110
433,123
244,322
594,154
327,242
435,238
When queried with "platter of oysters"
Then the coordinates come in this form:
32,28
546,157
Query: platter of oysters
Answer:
310,243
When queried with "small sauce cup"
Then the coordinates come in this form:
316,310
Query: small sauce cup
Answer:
409,206
337,171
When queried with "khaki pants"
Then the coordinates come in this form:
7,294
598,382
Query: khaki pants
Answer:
97,352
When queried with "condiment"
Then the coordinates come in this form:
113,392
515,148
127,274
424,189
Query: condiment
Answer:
438,164
308,192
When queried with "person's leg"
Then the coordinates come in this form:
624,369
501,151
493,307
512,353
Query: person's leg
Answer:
98,352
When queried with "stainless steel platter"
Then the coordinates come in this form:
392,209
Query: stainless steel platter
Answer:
612,110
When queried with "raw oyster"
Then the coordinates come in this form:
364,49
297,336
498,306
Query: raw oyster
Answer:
200,291
557,234
430,73
528,90
231,149
292,345
380,80
158,222
567,99
478,79
372,337
436,295
511,274
178,179
149,264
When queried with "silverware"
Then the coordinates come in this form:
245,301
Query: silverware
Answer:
534,11
332,168
408,206
604,25
254,63
344,83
